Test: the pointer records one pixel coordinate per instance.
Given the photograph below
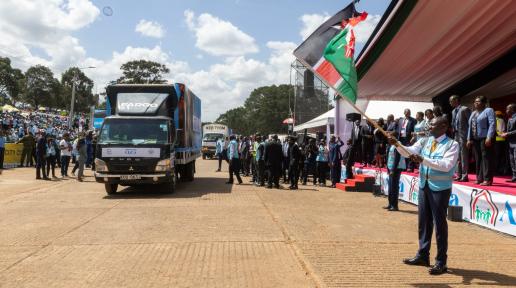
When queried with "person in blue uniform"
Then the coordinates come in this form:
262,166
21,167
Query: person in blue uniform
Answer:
395,164
234,161
437,156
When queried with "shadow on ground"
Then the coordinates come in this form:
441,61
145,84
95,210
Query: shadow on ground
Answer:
483,278
199,187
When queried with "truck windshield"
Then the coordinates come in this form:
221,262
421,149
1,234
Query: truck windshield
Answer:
134,131
212,137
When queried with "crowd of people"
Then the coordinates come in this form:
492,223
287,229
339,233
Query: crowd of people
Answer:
267,160
479,130
48,142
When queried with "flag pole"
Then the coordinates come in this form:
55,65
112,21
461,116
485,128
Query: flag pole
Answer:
397,144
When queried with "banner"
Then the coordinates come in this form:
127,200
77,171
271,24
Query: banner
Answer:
131,152
487,208
12,155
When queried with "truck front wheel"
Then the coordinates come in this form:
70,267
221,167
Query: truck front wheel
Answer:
110,188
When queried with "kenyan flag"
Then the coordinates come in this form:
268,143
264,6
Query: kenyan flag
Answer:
330,49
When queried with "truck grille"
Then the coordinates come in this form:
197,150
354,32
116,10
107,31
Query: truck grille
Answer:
127,168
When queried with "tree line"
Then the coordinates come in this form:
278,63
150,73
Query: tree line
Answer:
39,87
266,107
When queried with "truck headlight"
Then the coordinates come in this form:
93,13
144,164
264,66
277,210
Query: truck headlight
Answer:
100,165
164,165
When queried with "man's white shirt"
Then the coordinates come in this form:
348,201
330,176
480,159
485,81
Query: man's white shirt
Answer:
445,164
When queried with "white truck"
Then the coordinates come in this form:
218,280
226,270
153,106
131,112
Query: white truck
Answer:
210,134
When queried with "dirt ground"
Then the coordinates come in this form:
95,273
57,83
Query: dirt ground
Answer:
64,233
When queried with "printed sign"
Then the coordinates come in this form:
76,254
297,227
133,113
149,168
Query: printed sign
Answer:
139,103
487,208
12,155
131,152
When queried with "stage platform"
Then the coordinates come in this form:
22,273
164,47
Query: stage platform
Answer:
493,207
499,182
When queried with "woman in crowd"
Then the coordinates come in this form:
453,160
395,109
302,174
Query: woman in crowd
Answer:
322,162
420,128
380,143
482,129
52,149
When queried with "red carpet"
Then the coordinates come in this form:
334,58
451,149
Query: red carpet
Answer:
499,184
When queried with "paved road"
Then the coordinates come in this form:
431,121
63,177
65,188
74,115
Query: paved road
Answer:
208,234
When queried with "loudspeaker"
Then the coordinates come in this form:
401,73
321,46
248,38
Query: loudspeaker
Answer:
455,213
352,117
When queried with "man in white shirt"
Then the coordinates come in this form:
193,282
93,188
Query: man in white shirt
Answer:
437,156
66,153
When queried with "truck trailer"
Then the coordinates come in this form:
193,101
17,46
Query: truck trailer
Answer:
151,135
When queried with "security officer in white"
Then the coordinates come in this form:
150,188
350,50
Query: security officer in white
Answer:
437,156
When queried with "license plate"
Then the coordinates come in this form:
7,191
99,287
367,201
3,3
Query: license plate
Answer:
130,177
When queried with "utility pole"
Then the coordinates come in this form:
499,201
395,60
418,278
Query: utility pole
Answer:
74,80
70,117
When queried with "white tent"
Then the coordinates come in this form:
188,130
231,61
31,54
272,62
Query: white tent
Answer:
319,123
376,109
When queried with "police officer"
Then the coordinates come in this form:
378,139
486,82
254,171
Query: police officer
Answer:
234,161
437,156
28,142
219,150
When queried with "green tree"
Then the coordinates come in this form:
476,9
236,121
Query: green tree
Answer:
266,108
236,119
84,97
41,87
143,72
11,81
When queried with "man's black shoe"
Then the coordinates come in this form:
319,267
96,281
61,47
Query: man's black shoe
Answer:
277,186
463,179
229,182
393,209
269,187
418,261
387,207
438,269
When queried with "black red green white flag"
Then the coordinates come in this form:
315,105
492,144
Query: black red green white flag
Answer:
329,51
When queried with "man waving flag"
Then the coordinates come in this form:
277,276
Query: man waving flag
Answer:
329,52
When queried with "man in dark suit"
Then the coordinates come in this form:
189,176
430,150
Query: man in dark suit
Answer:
460,126
510,137
354,150
41,152
294,156
405,129
391,124
273,158
366,132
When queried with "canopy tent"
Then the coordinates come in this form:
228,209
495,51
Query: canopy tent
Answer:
425,51
9,108
422,48
319,123
380,109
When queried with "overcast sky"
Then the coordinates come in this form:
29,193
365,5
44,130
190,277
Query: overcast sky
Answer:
222,49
